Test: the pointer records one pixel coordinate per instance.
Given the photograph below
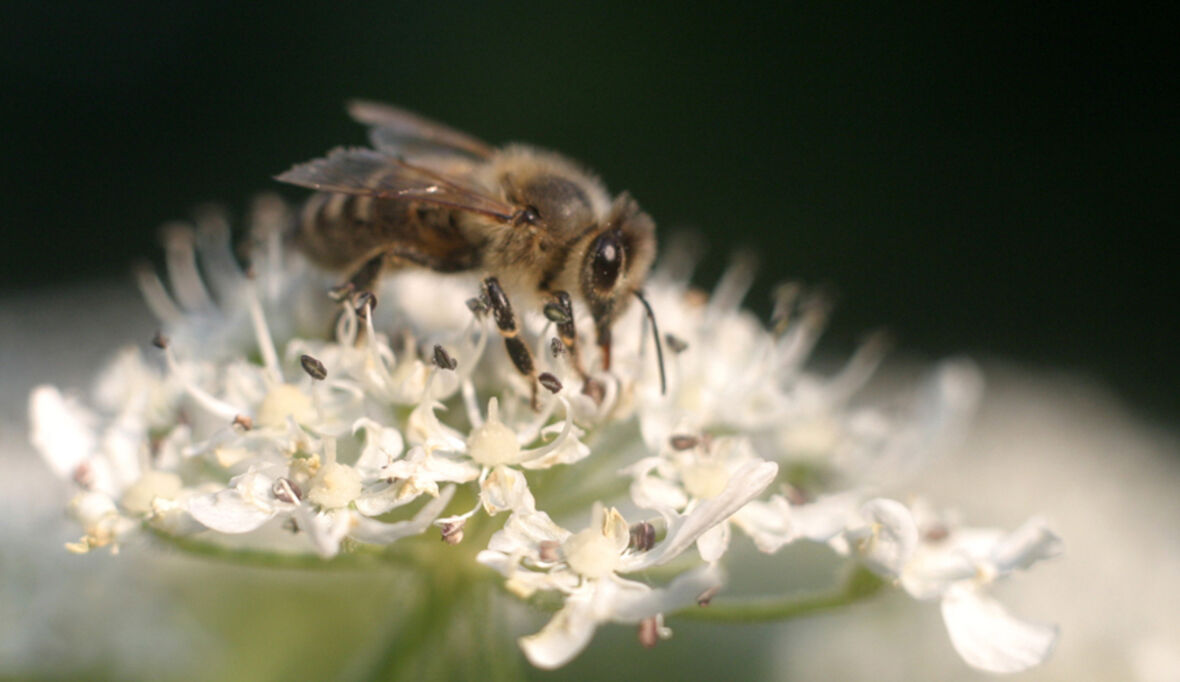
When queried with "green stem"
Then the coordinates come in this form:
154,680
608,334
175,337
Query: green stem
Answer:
406,655
860,585
362,558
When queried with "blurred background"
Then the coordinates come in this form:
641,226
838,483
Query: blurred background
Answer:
990,181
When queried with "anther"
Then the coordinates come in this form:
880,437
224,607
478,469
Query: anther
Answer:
684,442
785,297
705,598
550,382
364,302
443,359
286,490
796,495
595,390
675,344
160,341
643,536
556,347
84,475
243,423
452,533
477,306
649,632
314,368
547,551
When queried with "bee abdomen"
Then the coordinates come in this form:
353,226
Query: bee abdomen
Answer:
338,229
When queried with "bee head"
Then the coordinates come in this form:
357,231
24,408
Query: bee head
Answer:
615,264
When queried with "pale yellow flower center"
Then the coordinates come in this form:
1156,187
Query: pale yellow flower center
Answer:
152,484
590,553
282,401
493,443
706,479
334,486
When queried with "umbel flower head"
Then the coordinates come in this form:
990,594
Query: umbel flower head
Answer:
304,425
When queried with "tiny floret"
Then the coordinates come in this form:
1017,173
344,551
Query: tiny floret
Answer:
493,442
334,486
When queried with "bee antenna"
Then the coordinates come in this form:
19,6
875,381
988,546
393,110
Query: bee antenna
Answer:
655,333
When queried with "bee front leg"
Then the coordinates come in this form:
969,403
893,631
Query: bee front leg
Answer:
518,351
560,311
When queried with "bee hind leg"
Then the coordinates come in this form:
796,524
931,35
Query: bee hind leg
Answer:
518,351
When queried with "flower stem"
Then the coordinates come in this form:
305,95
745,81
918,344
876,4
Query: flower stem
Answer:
860,585
363,557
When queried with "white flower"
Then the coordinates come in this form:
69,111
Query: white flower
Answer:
536,554
691,470
296,422
934,559
120,486
960,567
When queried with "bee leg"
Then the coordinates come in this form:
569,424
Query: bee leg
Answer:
561,312
364,276
518,351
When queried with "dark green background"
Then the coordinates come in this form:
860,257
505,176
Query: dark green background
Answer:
989,181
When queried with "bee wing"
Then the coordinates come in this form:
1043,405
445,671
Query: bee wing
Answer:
367,172
399,132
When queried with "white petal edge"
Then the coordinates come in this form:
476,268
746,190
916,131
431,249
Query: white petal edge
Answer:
376,532
227,511
565,635
745,484
684,591
991,639
62,430
894,536
1028,544
713,543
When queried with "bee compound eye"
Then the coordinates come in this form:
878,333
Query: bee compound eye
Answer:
606,261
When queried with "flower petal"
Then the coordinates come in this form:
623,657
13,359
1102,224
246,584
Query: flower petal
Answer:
768,523
376,532
1023,547
236,509
826,517
505,489
563,637
745,484
325,529
930,573
522,534
634,605
892,536
63,430
652,492
713,542
989,638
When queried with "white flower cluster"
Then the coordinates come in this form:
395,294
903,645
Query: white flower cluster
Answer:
301,424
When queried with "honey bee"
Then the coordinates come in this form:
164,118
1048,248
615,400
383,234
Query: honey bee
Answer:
534,223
